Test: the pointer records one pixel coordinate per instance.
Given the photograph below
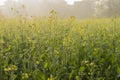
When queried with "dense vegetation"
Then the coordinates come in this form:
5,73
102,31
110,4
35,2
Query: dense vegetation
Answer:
59,49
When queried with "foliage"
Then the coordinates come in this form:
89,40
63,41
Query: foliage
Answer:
59,49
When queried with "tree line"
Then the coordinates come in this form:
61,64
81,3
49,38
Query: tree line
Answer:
81,9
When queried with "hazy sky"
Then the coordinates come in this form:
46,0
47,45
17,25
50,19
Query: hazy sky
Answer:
2,2
42,8
71,2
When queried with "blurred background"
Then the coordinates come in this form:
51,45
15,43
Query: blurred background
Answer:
64,8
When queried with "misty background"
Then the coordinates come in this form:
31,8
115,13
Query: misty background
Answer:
80,9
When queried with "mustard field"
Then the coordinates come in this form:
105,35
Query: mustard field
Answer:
53,48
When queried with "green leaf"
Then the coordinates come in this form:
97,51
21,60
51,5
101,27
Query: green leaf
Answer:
82,68
118,70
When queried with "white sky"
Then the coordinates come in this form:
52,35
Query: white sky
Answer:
70,2
2,2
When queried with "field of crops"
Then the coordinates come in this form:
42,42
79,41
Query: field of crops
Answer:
59,49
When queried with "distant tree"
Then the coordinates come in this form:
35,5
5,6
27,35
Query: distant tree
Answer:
84,9
109,8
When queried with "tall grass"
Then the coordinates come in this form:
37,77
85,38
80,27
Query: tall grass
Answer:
59,49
